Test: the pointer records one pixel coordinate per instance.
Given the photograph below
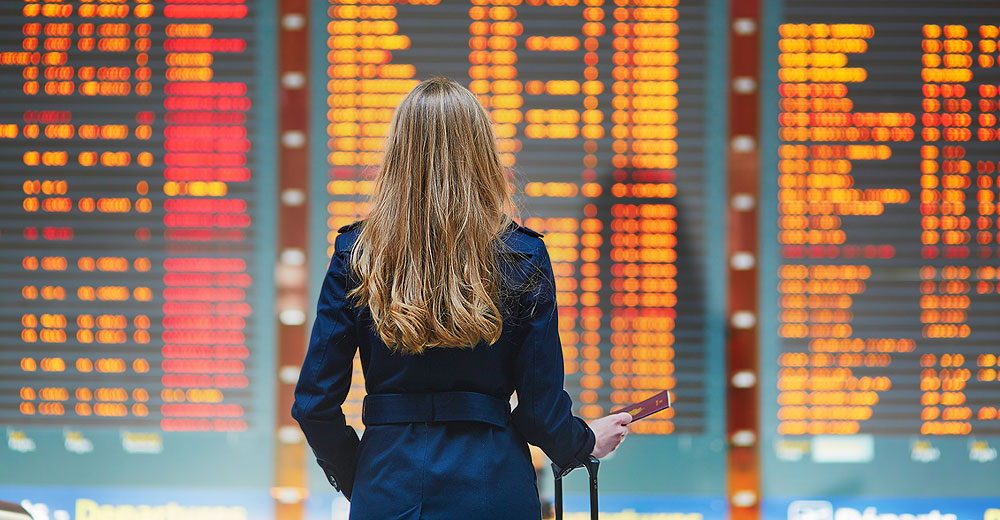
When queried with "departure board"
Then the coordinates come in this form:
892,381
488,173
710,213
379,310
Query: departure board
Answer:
881,225
134,323
600,110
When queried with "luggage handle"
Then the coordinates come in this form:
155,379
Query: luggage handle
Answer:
592,465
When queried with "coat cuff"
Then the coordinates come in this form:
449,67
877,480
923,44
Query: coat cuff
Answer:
581,456
338,459
345,485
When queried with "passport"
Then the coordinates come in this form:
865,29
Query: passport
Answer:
659,402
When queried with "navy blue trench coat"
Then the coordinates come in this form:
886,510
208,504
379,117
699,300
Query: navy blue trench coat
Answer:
440,440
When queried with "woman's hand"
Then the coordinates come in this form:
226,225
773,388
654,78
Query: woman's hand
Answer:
609,432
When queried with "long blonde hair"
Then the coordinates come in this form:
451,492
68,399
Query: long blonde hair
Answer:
425,259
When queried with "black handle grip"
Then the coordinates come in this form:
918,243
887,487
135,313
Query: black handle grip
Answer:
592,465
558,506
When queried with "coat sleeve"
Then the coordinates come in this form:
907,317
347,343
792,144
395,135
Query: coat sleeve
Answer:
544,411
325,379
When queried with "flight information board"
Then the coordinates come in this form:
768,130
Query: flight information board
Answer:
601,111
882,239
134,308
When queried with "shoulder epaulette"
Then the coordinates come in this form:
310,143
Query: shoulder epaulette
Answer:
347,227
528,231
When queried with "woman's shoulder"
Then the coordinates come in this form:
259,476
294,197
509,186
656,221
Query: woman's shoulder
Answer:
514,226
350,227
522,239
347,235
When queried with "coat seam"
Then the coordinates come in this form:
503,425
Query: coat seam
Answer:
534,364
329,337
423,474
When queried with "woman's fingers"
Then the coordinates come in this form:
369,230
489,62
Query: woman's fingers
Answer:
623,418
610,431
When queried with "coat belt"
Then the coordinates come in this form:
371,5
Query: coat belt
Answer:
434,407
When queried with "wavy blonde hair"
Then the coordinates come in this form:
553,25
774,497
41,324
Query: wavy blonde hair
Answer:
425,260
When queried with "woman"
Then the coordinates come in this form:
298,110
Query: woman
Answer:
452,305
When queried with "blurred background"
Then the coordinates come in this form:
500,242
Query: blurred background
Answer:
783,211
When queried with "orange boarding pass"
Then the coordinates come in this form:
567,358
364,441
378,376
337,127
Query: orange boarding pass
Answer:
657,403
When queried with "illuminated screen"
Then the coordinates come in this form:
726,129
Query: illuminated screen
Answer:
603,118
137,237
880,345
135,342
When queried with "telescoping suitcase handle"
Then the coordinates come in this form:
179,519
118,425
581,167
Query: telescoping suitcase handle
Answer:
592,466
